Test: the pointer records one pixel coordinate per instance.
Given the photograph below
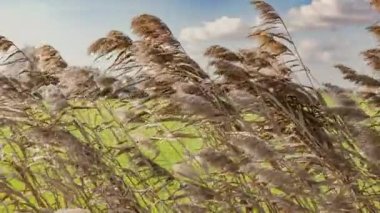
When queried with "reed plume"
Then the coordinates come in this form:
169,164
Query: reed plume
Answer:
375,4
49,59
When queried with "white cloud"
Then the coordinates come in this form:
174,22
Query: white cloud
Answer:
321,51
328,52
331,14
223,27
316,51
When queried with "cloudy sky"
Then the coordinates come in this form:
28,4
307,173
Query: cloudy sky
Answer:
326,31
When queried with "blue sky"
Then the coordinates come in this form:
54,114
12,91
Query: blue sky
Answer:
326,31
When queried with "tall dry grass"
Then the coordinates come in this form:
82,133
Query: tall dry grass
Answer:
78,137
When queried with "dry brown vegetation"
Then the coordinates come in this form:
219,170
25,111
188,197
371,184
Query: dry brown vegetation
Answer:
78,137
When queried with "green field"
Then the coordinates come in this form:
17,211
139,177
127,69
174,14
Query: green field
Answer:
105,131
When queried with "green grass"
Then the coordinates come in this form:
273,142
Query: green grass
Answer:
171,151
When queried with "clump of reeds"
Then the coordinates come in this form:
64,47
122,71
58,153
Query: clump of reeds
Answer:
268,143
